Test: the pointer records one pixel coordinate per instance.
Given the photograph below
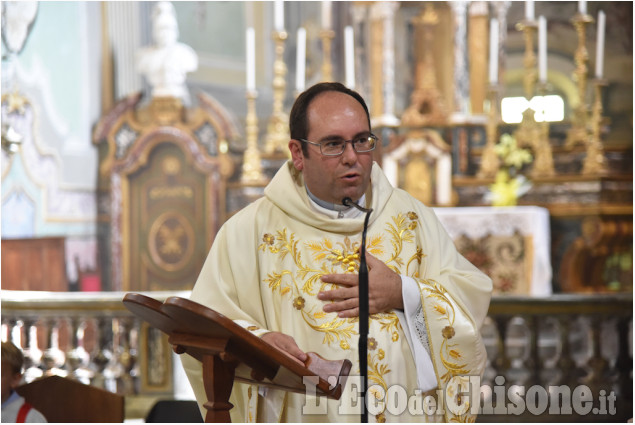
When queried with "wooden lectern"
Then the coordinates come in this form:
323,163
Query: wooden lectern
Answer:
228,352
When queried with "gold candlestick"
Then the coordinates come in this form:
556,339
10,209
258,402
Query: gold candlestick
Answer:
252,169
595,162
529,61
578,133
327,66
278,128
531,133
489,160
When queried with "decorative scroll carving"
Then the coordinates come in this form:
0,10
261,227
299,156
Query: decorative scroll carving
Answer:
600,260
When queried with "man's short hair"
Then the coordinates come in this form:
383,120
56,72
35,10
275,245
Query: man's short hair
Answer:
13,356
298,121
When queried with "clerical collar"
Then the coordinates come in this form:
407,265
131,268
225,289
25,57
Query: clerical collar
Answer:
324,204
339,210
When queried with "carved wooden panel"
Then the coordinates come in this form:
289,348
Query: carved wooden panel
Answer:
168,227
163,172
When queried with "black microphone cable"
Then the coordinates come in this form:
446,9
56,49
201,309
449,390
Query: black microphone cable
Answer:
362,349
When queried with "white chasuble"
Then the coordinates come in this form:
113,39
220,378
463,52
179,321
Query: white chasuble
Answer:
264,270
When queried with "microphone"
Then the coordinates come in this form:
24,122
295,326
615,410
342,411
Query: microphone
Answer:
362,348
349,203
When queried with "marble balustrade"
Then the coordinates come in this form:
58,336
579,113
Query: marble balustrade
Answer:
570,340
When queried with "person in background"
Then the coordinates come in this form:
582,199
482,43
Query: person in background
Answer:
15,408
286,269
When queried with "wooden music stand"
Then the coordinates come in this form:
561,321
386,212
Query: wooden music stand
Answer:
228,352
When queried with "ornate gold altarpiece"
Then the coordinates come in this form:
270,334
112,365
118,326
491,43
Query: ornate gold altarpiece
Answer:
162,175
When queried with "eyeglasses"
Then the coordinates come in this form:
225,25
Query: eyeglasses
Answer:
336,147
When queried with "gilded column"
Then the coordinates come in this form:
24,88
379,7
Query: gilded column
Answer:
376,30
477,45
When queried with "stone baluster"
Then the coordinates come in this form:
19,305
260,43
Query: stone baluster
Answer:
491,340
565,362
6,328
597,364
518,346
126,358
135,371
533,362
100,356
624,361
114,370
53,358
11,330
77,358
502,361
549,350
31,351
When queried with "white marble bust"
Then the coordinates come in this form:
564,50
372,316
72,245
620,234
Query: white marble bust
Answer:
166,63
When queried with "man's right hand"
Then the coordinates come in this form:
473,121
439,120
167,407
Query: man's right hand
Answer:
286,344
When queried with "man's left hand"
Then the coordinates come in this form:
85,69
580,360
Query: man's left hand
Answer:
384,290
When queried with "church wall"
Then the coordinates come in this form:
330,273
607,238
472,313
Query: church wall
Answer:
49,187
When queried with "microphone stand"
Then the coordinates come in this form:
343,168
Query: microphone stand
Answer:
362,347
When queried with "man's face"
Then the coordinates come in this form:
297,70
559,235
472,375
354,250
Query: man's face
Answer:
331,115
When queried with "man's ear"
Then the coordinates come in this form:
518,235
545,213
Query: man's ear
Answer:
16,380
296,154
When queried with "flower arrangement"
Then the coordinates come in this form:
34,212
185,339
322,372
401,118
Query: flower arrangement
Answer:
509,184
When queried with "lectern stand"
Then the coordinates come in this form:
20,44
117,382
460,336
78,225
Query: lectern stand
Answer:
228,352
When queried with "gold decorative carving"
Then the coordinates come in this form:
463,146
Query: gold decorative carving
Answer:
376,60
588,264
278,130
171,241
595,162
418,180
252,168
531,133
158,159
489,160
478,31
15,101
529,61
579,131
162,110
536,136
427,106
327,66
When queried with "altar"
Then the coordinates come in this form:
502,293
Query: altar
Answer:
511,245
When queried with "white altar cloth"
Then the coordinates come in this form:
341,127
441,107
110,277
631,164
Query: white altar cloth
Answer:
530,221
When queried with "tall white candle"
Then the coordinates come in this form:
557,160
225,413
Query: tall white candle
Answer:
278,15
349,49
326,14
493,51
582,7
529,10
542,49
300,68
599,53
251,59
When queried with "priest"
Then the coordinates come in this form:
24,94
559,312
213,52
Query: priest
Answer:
286,269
